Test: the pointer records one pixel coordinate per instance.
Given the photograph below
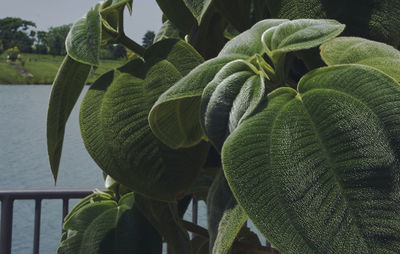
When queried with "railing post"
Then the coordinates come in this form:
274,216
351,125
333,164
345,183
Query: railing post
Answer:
36,233
64,213
6,225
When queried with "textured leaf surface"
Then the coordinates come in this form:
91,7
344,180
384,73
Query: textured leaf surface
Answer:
110,13
83,40
124,145
233,94
225,216
175,116
322,172
249,42
89,119
66,89
107,226
376,20
300,34
198,8
353,50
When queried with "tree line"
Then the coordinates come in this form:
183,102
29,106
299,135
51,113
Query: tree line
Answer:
22,34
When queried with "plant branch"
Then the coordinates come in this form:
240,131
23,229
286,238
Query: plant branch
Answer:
130,44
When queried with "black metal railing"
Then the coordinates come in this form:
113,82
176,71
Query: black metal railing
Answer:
7,198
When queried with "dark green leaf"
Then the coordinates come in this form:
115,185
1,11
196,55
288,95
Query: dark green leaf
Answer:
322,172
225,216
353,50
66,89
116,131
376,20
180,106
164,217
89,119
108,226
237,12
177,12
83,40
198,8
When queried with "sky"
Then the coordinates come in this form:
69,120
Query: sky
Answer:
46,13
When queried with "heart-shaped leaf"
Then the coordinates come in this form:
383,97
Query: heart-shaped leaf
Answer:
108,226
83,40
133,155
376,20
322,172
225,216
354,50
299,34
66,89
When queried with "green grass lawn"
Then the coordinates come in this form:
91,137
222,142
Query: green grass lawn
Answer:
44,69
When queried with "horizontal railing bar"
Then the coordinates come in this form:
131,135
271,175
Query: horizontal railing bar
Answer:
45,194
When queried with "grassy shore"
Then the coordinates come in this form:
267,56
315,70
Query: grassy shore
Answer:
41,69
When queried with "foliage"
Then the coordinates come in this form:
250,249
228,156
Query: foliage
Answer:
13,54
14,32
1,47
55,39
263,111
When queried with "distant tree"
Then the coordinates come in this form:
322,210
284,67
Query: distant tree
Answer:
1,47
55,39
14,32
118,51
41,46
148,39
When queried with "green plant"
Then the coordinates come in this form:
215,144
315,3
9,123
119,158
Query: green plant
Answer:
13,54
260,110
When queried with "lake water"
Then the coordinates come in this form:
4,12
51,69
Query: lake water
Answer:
24,164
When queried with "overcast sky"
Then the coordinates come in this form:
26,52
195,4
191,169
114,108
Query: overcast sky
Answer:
46,13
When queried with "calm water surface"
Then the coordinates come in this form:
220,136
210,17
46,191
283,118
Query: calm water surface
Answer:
24,164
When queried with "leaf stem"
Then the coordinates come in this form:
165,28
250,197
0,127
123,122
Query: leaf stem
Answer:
130,44
195,228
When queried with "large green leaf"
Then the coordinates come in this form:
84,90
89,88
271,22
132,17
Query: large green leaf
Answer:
376,20
180,106
232,96
225,216
165,218
353,50
66,89
83,40
178,13
317,170
116,131
299,34
109,226
89,119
